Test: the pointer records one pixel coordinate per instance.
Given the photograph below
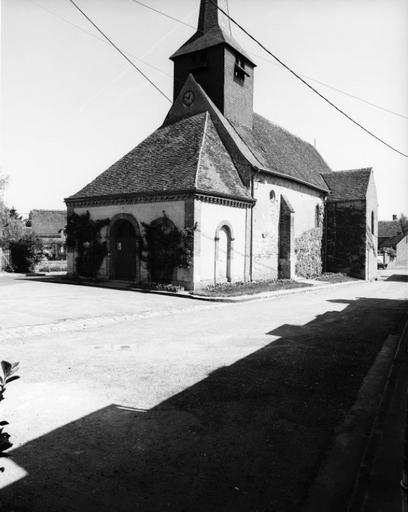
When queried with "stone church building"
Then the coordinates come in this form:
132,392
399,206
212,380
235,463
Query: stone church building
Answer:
255,199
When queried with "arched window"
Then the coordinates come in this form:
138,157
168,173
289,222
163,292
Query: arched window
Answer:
318,216
372,223
272,195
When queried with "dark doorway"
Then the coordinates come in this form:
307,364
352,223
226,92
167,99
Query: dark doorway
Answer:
124,251
286,240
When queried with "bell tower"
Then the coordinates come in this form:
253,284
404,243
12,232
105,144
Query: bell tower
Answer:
218,64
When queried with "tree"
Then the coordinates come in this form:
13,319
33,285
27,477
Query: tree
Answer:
403,220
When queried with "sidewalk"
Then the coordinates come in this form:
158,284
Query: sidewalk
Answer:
382,490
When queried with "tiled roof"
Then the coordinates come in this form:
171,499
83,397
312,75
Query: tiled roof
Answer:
48,222
184,156
389,228
389,233
279,150
350,185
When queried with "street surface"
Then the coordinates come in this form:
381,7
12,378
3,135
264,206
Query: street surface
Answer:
154,348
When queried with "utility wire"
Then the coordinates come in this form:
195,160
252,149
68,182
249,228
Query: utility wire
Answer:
267,60
307,84
120,51
164,14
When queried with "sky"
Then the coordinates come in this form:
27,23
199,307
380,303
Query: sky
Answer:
70,105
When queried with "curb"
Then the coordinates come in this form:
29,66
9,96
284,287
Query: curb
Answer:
334,485
225,298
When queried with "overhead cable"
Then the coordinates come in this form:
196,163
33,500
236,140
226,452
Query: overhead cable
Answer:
307,84
120,51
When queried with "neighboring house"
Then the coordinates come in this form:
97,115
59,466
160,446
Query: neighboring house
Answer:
254,193
49,226
392,243
351,223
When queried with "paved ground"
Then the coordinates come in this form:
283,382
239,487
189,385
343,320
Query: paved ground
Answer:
79,383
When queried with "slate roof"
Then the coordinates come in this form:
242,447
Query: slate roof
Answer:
212,37
48,223
350,185
279,150
389,233
184,156
214,28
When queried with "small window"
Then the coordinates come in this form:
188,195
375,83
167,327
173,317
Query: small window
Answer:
372,223
272,195
239,71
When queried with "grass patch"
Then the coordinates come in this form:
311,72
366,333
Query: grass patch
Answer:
335,277
250,288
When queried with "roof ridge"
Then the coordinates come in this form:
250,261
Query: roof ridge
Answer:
362,169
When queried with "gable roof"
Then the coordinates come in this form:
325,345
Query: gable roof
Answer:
48,222
187,155
277,149
389,233
389,228
350,185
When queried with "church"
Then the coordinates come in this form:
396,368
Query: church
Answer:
220,194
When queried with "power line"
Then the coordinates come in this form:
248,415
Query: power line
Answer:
307,84
121,52
300,74
163,14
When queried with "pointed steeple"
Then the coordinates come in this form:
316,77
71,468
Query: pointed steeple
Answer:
210,16
218,64
214,28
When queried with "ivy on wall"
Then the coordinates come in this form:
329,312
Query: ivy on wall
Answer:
84,236
166,248
308,248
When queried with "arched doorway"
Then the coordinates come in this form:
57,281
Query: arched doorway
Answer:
124,245
286,240
223,241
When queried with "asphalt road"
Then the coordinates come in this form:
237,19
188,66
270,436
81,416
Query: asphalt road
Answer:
153,348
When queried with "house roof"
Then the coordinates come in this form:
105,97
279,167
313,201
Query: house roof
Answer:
214,28
389,233
278,150
187,155
48,223
350,185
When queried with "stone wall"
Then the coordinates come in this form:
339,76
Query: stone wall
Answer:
371,271
345,243
268,191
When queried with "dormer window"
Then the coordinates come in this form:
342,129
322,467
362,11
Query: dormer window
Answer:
239,70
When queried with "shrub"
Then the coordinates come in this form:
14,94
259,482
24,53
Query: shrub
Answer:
8,371
308,248
84,236
25,253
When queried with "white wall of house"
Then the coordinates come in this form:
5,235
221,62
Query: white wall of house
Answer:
209,217
142,212
371,271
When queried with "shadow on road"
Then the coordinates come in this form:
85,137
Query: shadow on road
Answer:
249,437
401,278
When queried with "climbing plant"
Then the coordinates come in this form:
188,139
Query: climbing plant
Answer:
8,371
166,248
84,236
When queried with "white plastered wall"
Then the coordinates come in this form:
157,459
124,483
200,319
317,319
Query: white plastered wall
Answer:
209,217
142,212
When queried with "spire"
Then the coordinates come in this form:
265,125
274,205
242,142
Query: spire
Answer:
211,17
214,28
